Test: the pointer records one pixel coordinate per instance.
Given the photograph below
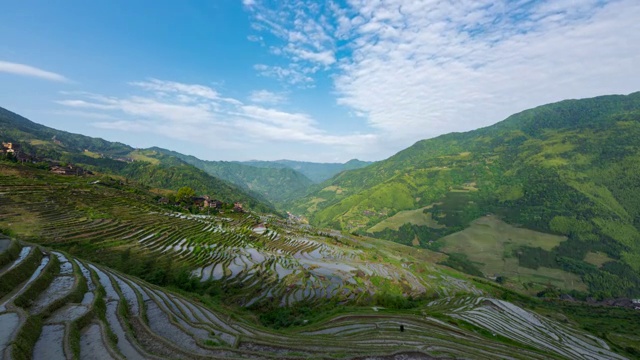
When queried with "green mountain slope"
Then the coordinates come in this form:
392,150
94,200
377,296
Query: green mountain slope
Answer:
162,171
571,168
275,184
317,172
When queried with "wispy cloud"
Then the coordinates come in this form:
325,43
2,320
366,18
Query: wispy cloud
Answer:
305,37
160,87
293,74
31,71
419,69
198,113
266,97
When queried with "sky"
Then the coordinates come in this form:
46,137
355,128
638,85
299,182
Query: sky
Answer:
322,81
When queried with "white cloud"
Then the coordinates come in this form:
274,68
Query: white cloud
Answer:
292,75
420,69
193,92
305,34
199,114
27,70
266,97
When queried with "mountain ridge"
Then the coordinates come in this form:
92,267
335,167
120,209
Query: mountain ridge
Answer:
115,158
568,168
317,172
275,184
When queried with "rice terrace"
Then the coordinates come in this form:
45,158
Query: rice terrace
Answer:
328,180
56,306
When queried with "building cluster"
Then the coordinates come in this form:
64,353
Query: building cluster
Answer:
206,202
10,148
69,170
294,218
14,150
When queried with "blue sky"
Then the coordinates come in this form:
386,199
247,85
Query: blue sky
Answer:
305,80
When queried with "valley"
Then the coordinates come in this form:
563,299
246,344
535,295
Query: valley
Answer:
325,180
568,169
519,244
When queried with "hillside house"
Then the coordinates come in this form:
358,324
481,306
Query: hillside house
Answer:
199,200
237,207
15,150
11,148
213,203
67,170
206,201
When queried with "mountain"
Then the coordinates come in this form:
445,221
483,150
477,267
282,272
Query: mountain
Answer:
317,172
569,169
276,184
161,171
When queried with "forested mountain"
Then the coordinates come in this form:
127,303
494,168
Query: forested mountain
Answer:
317,172
161,171
276,184
219,285
570,168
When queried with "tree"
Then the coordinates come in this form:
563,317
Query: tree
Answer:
185,194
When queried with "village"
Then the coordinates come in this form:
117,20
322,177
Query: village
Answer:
202,203
14,152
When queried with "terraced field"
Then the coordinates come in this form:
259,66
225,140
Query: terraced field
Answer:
62,307
268,258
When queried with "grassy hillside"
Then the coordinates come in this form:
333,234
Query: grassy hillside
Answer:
161,171
571,168
276,184
316,172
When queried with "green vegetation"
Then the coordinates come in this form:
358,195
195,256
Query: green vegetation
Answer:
40,284
12,278
151,168
316,172
10,253
276,184
22,348
569,168
490,247
418,217
460,261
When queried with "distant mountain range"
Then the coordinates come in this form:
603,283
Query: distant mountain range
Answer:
277,184
278,181
316,172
